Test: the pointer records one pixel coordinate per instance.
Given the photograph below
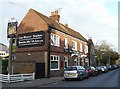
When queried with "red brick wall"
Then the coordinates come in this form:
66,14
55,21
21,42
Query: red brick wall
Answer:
61,48
32,23
24,66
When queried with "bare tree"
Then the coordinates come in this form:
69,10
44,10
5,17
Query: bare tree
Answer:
105,53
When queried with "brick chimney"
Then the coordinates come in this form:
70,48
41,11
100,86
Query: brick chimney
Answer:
55,16
66,25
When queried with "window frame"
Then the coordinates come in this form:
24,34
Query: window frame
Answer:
86,49
55,40
81,47
66,43
58,60
74,48
65,60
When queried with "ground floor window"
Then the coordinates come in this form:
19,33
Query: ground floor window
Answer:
65,62
54,62
75,62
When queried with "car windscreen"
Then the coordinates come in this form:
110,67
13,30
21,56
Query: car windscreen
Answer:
70,68
87,68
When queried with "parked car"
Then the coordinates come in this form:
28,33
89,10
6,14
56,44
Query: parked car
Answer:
118,65
114,66
92,71
109,67
99,69
104,69
75,72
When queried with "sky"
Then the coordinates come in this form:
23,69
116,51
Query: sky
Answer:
97,19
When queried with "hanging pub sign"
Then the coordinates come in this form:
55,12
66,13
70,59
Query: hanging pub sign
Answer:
31,39
11,29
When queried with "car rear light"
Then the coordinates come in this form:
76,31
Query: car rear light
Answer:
89,71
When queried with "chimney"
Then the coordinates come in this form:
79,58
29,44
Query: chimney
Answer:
66,25
55,16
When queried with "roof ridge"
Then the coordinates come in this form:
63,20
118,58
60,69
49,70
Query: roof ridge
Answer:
75,31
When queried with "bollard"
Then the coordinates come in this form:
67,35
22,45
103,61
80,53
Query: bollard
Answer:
22,77
8,78
33,76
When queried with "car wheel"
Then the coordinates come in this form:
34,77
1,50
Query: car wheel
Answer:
87,77
81,77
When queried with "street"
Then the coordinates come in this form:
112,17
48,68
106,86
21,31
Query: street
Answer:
109,79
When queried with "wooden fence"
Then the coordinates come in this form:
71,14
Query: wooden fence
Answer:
16,77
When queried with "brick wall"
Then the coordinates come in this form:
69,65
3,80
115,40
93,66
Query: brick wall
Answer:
32,23
54,73
24,66
61,48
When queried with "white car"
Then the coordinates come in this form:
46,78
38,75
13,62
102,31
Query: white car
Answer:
104,68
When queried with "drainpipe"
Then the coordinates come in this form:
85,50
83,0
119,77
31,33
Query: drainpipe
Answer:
89,47
48,61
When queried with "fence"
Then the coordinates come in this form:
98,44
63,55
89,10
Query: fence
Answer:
16,77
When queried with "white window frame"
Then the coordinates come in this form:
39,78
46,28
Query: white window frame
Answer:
55,40
81,47
65,60
75,62
57,60
86,49
74,47
66,43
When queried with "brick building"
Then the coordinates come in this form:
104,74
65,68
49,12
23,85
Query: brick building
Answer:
92,53
46,47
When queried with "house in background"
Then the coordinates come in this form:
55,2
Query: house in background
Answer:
4,51
92,53
46,47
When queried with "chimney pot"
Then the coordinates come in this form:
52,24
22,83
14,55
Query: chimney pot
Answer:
55,16
66,25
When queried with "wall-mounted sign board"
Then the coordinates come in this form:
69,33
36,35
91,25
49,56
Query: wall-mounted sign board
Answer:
31,39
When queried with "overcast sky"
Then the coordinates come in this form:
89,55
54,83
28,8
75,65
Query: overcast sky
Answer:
95,18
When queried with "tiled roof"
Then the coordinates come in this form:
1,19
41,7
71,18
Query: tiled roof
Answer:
61,27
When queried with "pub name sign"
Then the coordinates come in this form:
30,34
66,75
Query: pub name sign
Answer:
31,39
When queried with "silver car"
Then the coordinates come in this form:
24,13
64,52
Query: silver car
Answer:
104,68
75,72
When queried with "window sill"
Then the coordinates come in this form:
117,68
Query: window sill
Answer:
54,69
55,46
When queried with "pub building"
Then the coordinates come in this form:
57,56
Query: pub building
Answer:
47,47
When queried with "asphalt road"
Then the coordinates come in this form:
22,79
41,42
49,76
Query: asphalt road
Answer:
109,79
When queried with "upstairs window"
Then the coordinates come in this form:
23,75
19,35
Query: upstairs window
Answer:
81,47
86,49
74,45
55,40
66,43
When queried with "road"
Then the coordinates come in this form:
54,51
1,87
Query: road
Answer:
109,79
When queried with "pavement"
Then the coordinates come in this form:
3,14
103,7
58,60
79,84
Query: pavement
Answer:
34,83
